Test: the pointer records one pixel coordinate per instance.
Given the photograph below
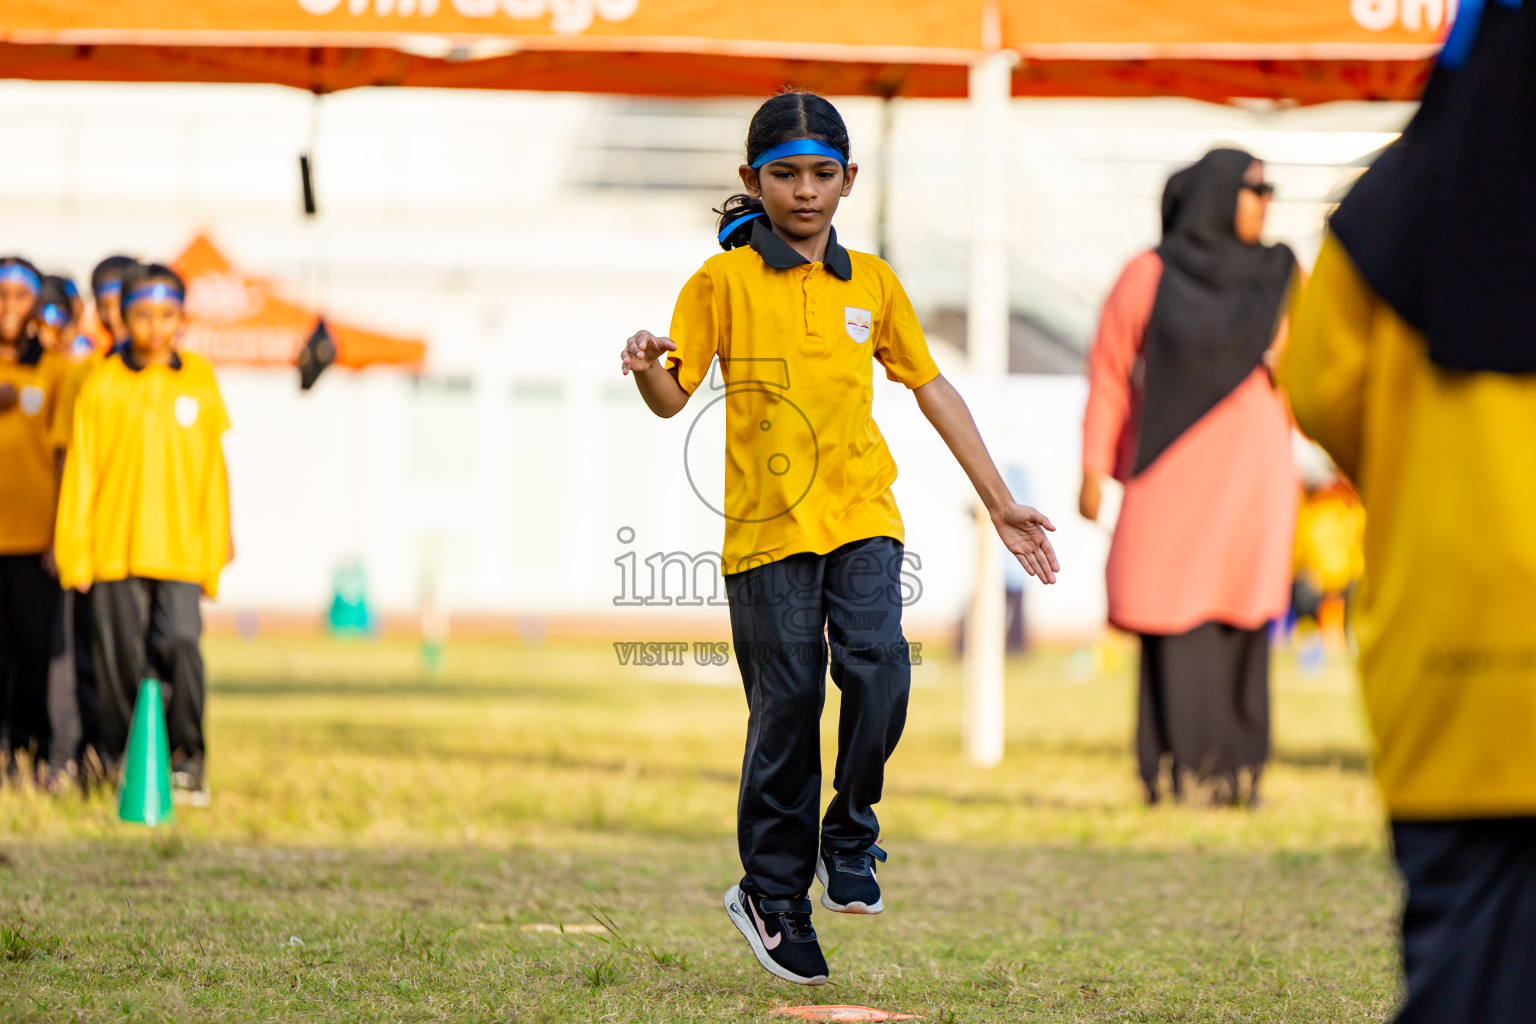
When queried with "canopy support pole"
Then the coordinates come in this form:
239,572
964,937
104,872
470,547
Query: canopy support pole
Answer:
987,347
883,178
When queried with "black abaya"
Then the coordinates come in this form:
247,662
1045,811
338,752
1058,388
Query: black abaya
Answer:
1204,706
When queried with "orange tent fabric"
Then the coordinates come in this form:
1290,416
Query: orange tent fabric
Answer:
1310,50
236,319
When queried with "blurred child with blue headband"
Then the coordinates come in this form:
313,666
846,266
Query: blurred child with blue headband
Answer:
101,336
54,317
71,686
29,595
813,539
144,518
107,291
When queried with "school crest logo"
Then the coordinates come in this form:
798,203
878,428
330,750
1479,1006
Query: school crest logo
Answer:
186,410
31,399
857,322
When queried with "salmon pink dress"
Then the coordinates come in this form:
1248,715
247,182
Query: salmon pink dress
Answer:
1201,556
1205,532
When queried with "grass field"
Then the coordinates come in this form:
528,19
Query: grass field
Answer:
387,847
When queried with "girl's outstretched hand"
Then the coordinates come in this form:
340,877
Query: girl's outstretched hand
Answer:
1023,531
641,352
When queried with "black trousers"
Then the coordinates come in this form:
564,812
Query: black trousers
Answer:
72,682
87,689
148,628
786,617
29,604
1469,922
1204,703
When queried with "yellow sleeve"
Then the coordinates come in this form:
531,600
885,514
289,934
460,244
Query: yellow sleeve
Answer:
72,542
1323,364
901,346
219,413
216,503
63,419
216,513
56,372
695,331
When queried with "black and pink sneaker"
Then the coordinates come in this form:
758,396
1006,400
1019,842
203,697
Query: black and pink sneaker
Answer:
848,880
780,934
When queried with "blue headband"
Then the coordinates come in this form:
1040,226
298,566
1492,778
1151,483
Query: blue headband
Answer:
1458,45
70,289
53,316
110,288
18,272
799,147
725,232
155,291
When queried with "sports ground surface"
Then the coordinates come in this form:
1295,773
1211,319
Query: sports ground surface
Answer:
387,847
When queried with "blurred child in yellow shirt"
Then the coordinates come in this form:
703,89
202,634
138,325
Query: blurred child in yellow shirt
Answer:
144,517
1411,361
71,682
29,596
104,332
1330,557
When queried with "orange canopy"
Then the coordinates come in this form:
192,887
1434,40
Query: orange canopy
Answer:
236,319
1311,50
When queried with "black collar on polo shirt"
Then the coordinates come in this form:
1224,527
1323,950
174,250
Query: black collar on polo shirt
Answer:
29,352
125,352
780,255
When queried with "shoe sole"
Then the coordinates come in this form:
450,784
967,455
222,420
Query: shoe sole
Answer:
744,925
844,908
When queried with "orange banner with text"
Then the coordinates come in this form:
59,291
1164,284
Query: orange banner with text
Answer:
1306,51
1088,28
918,27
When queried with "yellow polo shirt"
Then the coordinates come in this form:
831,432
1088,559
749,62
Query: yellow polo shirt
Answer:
1444,614
28,476
806,468
144,487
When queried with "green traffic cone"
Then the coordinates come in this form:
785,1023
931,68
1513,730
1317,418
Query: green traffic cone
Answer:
146,794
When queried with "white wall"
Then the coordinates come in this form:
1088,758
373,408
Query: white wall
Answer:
526,493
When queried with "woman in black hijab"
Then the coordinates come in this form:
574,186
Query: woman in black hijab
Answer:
1182,410
1412,360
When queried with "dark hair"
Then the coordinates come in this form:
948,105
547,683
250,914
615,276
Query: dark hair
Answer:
20,261
110,269
785,117
144,273
56,291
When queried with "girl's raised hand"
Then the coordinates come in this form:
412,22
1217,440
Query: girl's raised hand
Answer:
1023,530
641,352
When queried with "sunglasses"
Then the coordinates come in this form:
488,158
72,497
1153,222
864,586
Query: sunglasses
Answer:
1264,189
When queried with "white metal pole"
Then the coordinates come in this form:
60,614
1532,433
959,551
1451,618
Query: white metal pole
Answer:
987,346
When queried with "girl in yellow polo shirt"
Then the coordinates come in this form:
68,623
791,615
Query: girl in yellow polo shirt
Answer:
144,517
29,596
813,539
